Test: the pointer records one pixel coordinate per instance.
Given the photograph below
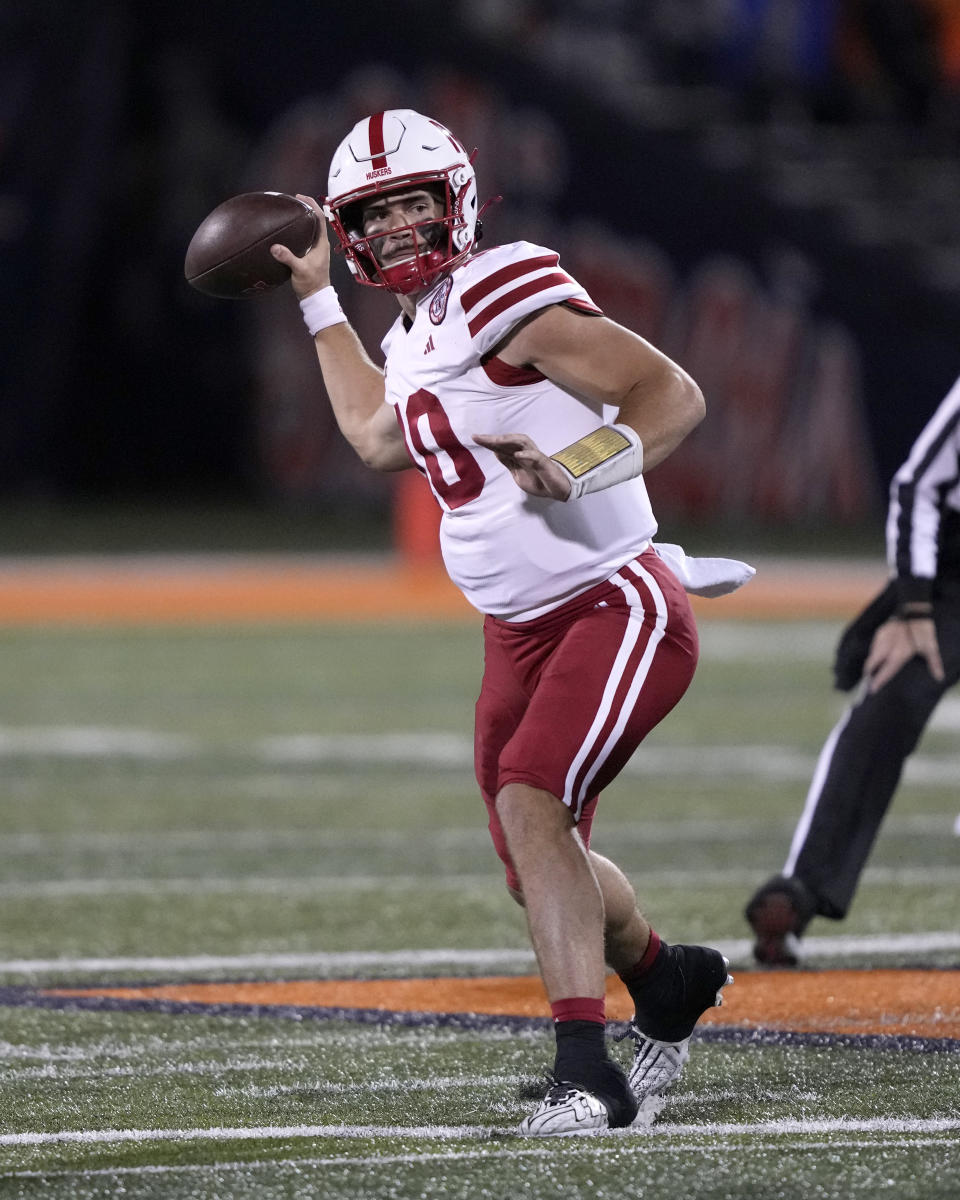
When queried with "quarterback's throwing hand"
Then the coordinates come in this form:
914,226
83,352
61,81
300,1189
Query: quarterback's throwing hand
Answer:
533,472
311,272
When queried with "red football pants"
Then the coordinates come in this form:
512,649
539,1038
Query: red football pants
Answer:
567,698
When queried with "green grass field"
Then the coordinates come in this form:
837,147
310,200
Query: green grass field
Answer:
298,802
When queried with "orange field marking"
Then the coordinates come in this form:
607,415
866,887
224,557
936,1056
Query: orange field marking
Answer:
892,1002
204,590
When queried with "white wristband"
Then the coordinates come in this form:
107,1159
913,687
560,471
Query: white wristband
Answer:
321,310
608,455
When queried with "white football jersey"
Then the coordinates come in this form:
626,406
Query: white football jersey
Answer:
513,555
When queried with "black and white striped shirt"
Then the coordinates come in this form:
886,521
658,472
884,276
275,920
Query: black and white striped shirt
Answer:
923,520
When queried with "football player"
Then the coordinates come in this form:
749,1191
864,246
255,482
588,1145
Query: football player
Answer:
532,416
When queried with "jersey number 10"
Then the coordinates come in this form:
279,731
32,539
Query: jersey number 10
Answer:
455,474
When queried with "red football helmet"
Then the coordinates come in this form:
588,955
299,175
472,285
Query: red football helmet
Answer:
402,151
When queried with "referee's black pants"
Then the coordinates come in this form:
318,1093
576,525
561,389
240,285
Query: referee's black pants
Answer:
859,769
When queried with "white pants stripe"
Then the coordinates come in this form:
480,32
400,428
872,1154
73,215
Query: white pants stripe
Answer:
814,792
589,752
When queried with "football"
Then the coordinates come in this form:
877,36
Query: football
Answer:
229,255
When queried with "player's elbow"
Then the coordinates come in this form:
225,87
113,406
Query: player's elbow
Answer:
372,456
377,440
382,454
691,405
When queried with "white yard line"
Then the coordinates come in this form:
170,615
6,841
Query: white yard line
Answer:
147,1049
737,950
839,1125
138,1069
322,881
552,1150
688,829
322,960
85,741
428,749
821,1125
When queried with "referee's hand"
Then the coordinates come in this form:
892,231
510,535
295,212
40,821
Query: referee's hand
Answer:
895,643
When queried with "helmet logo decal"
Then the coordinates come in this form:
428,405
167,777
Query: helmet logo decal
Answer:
380,172
438,305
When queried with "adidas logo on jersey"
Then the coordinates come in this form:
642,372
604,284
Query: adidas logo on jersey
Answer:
429,346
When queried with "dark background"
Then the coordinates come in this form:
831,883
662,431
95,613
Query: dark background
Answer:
818,134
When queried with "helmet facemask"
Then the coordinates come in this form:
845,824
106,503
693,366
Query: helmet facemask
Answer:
433,247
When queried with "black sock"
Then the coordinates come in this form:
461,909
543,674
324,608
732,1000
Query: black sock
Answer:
582,1060
580,1045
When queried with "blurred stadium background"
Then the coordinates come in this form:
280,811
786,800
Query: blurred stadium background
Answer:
765,188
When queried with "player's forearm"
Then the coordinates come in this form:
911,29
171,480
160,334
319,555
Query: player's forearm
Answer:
355,386
663,411
657,412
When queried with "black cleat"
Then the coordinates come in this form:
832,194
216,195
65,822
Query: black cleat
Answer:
688,981
683,984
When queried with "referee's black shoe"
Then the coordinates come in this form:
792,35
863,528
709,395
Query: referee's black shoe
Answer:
778,913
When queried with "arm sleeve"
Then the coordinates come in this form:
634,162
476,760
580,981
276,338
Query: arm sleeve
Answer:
917,495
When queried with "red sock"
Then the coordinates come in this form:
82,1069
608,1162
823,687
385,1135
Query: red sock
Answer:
580,1008
635,973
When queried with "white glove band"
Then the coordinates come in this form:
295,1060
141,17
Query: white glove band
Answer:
608,455
321,310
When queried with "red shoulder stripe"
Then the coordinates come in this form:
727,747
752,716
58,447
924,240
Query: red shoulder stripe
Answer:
472,296
542,284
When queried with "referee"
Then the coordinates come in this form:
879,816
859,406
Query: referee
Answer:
903,651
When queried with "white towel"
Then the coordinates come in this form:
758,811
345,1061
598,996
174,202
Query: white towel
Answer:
705,576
